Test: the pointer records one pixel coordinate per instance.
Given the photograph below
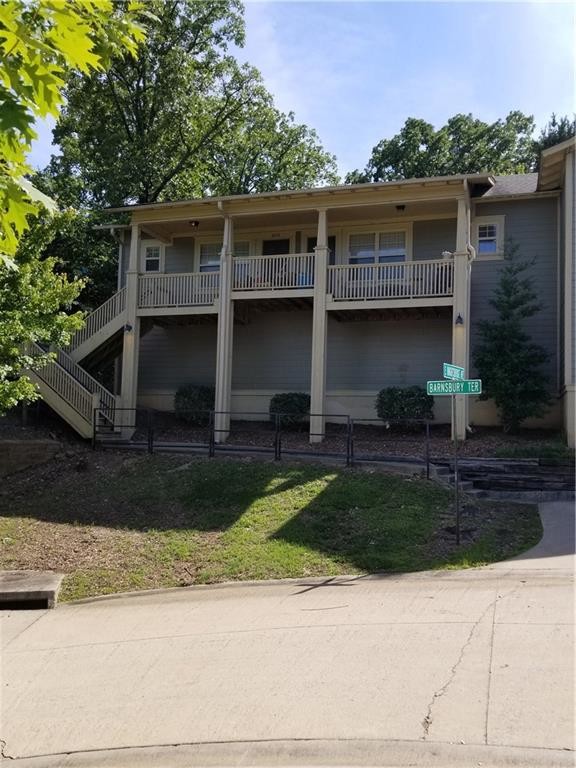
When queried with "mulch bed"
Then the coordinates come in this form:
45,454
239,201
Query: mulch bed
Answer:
369,439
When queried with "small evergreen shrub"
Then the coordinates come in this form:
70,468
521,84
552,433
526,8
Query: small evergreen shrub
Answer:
193,402
508,361
293,406
404,404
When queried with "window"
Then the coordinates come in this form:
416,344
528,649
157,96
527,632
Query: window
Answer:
489,237
153,257
210,255
378,247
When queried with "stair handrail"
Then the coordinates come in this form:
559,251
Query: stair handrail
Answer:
107,399
101,316
66,386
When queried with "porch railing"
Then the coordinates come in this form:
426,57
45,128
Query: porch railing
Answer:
259,273
412,279
178,290
101,316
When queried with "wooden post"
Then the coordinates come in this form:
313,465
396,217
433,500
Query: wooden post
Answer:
319,333
131,343
225,340
461,311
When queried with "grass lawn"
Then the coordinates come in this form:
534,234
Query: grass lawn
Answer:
114,522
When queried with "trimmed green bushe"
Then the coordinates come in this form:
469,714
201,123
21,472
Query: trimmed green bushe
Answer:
404,404
193,402
293,407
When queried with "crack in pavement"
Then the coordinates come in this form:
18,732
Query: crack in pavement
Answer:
428,719
3,754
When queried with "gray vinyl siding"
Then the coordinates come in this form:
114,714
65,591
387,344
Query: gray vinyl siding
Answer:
374,354
430,238
180,255
177,355
123,266
531,224
573,256
561,277
273,352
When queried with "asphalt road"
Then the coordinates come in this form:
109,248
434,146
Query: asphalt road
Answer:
468,668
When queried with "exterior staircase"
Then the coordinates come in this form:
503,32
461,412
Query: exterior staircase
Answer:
68,388
529,480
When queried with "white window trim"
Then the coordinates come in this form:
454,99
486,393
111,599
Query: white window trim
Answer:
152,244
377,230
498,221
206,239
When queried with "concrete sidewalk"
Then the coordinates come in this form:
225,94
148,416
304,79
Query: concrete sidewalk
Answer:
440,669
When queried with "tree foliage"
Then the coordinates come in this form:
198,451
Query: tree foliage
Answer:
507,360
464,145
41,41
268,151
556,131
35,304
182,118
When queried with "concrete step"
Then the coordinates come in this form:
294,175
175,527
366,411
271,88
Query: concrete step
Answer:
29,590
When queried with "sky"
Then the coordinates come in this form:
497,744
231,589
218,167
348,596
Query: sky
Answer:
355,71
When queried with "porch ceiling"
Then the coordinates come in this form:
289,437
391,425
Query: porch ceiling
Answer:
304,219
392,314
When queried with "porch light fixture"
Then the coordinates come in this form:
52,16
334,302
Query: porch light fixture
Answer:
194,224
459,320
128,328
400,208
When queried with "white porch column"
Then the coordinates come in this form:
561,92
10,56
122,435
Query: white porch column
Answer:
319,333
131,345
461,310
224,346
569,396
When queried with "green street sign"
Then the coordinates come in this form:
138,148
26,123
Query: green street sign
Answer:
465,387
453,372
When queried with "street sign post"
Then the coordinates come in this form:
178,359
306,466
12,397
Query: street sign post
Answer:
453,371
454,384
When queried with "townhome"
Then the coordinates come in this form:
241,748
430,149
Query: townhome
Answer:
334,291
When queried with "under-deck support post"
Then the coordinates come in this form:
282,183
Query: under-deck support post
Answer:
131,343
461,312
225,340
319,333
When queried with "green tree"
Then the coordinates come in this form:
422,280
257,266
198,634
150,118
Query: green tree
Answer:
35,306
140,131
268,151
181,119
559,129
41,41
464,145
507,360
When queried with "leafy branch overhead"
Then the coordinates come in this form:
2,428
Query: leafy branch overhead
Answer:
40,42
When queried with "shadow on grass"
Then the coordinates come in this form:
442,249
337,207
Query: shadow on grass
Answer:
272,520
